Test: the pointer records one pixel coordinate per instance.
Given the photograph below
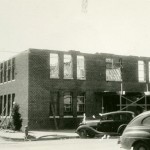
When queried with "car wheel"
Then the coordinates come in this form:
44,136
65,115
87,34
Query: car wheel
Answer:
141,146
82,133
91,135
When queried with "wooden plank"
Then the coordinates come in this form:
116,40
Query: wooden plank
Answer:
55,121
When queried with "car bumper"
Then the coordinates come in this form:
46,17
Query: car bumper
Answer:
125,143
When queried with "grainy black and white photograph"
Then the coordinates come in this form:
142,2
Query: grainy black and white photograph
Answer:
75,74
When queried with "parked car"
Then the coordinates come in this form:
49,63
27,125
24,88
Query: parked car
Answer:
112,123
137,133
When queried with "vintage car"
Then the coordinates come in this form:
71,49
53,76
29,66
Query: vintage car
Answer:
136,135
112,123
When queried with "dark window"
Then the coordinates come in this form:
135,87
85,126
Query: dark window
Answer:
5,71
9,105
1,102
68,67
5,104
1,72
9,70
54,66
81,103
146,121
13,99
141,71
113,70
80,67
13,69
67,103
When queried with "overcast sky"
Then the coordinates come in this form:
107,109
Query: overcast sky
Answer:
108,26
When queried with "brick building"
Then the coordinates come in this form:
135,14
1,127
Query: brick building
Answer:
55,88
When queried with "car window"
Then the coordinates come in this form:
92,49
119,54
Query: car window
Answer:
94,117
126,116
146,121
103,118
109,117
117,117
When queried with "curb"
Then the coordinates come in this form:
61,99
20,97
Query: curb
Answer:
56,137
42,138
12,139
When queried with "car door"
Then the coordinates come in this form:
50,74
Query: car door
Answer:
120,119
117,122
106,125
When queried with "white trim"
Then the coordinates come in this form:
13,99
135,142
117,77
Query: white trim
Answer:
81,78
54,77
53,116
6,116
59,116
80,116
68,116
142,81
147,93
68,78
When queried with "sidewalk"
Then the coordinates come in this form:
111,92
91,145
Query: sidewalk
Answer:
38,135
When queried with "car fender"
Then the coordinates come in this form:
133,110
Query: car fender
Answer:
121,128
129,138
89,129
138,134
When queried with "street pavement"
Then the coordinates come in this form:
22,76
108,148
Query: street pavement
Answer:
14,136
56,139
65,144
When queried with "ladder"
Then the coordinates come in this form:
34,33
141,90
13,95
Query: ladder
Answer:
2,120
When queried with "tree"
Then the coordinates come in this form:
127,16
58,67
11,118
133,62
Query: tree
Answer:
16,118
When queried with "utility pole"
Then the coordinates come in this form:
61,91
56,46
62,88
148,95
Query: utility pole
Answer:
121,86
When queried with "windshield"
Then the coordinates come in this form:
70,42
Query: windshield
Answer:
111,116
118,116
93,117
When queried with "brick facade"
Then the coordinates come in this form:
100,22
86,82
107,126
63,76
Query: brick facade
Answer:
34,88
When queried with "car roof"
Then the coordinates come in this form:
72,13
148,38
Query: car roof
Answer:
137,119
117,112
142,114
